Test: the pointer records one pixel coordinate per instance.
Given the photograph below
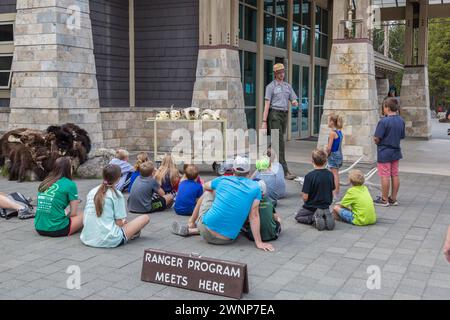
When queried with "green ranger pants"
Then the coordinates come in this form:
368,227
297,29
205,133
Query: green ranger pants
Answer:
278,120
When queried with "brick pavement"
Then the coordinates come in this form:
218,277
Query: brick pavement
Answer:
406,244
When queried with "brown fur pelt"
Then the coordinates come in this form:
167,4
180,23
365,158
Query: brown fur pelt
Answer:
33,151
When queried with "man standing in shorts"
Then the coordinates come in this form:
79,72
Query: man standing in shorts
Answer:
390,131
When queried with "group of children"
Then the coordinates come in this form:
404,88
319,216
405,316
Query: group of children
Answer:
321,186
104,221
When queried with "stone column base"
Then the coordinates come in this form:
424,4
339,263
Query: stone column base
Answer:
352,93
218,85
54,74
415,102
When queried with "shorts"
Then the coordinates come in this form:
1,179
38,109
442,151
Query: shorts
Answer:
207,201
335,160
58,233
246,229
388,169
210,237
124,238
346,215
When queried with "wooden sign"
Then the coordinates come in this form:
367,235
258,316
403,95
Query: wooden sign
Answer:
196,273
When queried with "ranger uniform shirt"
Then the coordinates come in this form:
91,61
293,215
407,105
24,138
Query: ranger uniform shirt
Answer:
279,94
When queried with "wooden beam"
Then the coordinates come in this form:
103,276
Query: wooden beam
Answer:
422,44
132,54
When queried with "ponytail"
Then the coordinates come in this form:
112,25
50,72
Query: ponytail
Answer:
111,173
338,121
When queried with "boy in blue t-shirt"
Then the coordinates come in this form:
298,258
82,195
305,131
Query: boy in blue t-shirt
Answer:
390,131
189,191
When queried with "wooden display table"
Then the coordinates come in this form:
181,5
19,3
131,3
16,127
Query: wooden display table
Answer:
155,122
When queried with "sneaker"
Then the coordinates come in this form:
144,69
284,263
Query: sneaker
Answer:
329,220
380,202
25,213
319,221
10,214
178,229
392,202
300,180
137,235
290,176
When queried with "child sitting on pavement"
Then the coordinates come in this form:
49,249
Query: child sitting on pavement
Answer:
264,173
146,195
270,221
105,224
141,158
168,175
317,194
184,177
357,206
121,160
189,191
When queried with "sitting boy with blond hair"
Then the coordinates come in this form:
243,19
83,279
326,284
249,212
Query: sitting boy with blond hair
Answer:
357,206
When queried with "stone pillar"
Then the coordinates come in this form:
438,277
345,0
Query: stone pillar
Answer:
382,91
415,94
218,79
351,87
415,102
54,74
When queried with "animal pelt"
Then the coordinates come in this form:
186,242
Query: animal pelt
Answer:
36,151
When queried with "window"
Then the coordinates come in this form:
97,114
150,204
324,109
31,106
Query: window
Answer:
301,28
281,33
248,20
321,34
248,78
7,49
320,81
6,32
275,23
5,71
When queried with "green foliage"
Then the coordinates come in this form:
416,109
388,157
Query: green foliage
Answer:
439,59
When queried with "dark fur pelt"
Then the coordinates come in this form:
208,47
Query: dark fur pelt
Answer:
36,151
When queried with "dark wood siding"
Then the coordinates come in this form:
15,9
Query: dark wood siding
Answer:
110,30
7,6
166,51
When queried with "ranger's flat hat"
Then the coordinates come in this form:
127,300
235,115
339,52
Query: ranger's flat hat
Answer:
278,67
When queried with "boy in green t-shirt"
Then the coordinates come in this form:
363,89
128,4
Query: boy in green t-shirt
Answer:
270,222
357,206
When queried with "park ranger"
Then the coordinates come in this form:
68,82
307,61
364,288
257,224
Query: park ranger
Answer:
278,96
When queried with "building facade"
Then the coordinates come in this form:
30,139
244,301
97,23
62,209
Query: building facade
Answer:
145,58
107,65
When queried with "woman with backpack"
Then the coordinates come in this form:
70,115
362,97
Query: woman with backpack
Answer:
56,194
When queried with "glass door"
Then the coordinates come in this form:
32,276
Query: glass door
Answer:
304,104
296,115
300,127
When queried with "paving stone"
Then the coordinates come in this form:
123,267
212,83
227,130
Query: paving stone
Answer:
307,264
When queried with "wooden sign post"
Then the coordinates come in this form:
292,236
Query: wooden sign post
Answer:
219,277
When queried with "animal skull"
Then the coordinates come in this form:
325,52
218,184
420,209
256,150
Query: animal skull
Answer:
175,114
209,114
191,113
163,115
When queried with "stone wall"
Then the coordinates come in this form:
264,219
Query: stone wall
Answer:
126,128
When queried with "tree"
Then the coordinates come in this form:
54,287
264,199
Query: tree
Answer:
439,60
